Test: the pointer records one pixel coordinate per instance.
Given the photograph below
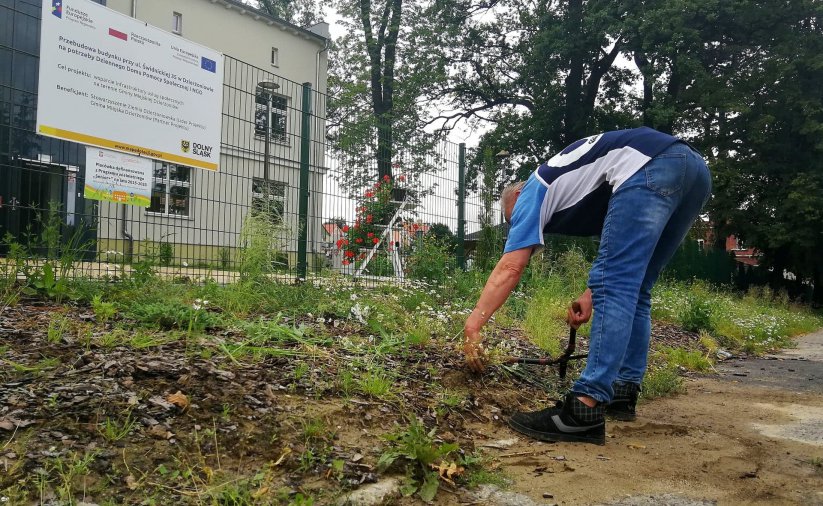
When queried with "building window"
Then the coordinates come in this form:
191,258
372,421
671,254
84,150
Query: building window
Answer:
279,106
268,198
101,2
177,23
171,192
275,57
701,244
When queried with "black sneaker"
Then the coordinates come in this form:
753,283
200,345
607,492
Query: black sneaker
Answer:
569,420
623,404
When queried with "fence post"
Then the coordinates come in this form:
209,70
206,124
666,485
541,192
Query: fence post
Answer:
303,192
461,208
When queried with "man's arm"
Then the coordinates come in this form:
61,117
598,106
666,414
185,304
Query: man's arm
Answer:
501,283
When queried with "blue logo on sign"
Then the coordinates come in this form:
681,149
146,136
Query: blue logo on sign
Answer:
207,64
57,8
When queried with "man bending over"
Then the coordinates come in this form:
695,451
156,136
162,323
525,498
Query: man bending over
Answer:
640,190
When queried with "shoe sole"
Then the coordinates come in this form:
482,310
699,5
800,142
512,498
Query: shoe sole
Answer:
557,437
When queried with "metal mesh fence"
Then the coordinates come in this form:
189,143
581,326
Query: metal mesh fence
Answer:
282,204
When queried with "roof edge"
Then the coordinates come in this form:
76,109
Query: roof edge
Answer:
271,20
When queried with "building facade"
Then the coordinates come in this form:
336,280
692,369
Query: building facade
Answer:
274,83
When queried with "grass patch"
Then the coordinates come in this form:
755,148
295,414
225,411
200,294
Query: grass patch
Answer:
757,322
661,381
114,430
40,367
544,318
691,360
477,477
58,326
375,382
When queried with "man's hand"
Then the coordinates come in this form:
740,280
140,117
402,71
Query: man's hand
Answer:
473,349
580,311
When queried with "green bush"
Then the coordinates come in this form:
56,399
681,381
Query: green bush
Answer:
697,315
165,253
380,264
661,382
431,260
225,257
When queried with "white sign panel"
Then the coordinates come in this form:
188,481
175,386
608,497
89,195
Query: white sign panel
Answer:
118,177
112,81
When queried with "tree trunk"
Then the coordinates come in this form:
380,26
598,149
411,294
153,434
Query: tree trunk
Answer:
574,127
382,50
384,145
648,91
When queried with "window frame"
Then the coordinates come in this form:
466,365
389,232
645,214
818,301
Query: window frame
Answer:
275,57
169,183
282,135
176,23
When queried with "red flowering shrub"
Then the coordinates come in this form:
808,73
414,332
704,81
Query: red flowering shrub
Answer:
374,208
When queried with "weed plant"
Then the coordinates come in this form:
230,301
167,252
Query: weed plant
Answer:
114,430
58,326
103,311
376,382
661,381
414,449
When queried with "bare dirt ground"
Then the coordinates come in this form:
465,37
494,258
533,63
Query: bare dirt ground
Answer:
751,435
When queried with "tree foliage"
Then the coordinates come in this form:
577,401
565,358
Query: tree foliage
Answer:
375,116
303,13
739,79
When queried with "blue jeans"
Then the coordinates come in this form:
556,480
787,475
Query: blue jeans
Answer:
647,219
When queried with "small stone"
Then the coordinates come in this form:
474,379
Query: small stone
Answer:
547,495
373,495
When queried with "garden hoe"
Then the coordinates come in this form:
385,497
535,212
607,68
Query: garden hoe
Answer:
561,362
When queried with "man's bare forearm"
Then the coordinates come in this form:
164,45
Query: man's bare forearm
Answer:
501,283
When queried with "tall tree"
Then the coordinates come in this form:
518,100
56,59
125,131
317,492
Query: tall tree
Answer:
299,12
542,72
769,149
375,115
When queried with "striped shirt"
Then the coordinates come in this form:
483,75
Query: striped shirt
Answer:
570,193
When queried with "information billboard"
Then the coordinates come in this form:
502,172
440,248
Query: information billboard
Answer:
118,177
111,81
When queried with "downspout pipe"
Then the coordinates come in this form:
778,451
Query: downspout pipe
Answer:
126,234
317,62
134,8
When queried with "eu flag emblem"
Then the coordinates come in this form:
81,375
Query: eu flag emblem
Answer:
57,8
207,64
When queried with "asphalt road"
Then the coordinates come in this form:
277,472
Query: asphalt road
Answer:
799,369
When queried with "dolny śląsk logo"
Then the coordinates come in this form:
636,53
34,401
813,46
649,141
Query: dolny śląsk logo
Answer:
184,146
